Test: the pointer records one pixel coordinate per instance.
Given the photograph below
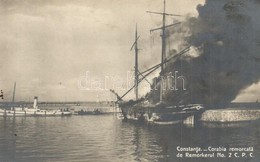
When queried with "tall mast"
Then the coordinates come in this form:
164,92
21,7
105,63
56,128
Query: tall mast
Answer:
135,46
163,39
163,29
13,96
14,92
136,64
163,52
163,57
164,36
147,72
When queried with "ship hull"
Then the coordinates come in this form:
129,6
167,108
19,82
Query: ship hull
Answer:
160,115
32,113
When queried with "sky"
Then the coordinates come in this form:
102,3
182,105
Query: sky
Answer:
51,48
48,47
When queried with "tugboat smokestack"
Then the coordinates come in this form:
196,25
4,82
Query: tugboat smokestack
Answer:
35,102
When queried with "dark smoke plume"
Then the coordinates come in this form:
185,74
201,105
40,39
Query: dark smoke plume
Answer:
226,36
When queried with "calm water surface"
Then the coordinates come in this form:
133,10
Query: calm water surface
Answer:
105,139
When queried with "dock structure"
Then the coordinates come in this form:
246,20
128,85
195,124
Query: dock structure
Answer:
230,115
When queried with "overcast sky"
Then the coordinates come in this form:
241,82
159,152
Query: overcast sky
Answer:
48,46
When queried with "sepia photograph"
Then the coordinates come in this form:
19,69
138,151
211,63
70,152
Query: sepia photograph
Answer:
129,81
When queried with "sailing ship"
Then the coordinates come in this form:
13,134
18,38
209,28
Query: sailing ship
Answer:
34,111
95,111
141,109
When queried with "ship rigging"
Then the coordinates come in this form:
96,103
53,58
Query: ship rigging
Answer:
140,76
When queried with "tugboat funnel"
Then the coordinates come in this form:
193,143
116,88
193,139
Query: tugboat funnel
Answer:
35,102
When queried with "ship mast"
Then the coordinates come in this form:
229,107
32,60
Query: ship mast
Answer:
164,36
14,92
164,60
163,29
135,46
13,96
147,72
136,65
163,39
163,52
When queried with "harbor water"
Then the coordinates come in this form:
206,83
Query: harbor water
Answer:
104,138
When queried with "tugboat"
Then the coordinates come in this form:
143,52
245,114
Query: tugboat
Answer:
34,111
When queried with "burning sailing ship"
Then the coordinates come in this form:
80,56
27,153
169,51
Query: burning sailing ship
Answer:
154,108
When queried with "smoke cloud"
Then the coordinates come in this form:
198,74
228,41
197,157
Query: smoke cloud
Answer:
225,58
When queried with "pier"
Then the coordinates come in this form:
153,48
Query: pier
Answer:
230,115
72,106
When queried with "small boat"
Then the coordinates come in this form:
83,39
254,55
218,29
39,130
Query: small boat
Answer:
95,112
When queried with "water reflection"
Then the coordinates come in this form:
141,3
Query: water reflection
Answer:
103,138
